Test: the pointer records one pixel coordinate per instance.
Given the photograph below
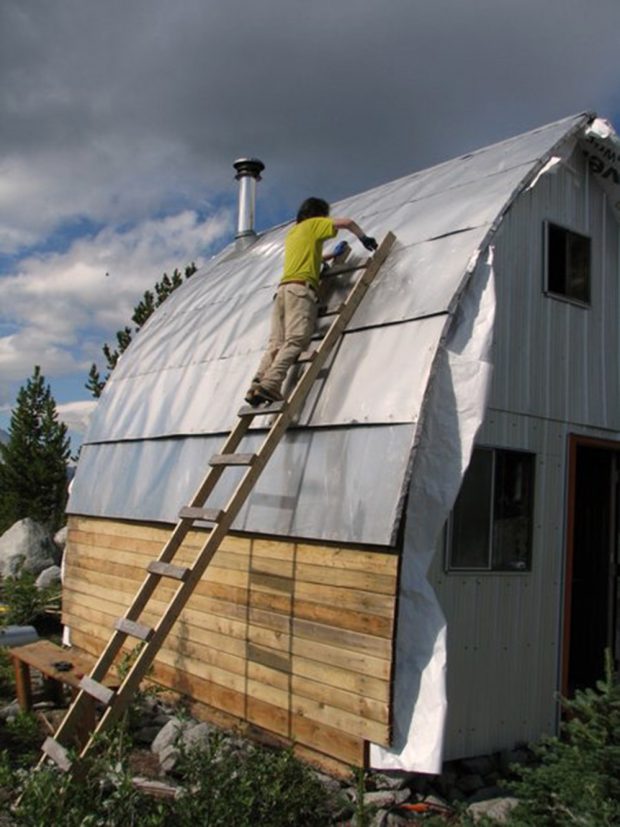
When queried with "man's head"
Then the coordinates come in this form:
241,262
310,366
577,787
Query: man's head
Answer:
312,208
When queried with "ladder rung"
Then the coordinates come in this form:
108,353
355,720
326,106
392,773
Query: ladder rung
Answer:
262,410
168,570
97,690
57,753
207,515
129,627
232,459
333,311
307,356
339,270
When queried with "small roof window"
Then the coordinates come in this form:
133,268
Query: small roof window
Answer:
567,264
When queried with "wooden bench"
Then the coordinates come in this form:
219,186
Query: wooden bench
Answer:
44,656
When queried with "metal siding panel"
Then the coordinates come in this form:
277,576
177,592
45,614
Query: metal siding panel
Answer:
566,354
503,630
306,490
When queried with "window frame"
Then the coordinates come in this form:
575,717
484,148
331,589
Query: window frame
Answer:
449,569
565,297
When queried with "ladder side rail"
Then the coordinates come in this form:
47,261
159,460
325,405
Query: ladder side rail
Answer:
146,590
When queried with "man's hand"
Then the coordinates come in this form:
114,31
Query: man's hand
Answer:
339,249
369,242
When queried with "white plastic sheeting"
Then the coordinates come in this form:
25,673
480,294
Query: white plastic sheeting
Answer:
602,147
453,414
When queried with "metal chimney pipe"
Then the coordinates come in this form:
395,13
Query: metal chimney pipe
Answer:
248,173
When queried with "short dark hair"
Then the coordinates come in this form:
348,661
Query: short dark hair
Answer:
312,208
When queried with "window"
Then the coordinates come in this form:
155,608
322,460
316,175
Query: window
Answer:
567,263
490,528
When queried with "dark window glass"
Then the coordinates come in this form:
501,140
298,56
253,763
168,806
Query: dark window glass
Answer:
471,517
490,528
568,263
513,508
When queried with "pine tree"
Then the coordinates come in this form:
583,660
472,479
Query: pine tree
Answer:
33,466
141,313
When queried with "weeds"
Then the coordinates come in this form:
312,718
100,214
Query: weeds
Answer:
24,601
221,785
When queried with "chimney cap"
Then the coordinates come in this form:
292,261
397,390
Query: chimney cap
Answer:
248,166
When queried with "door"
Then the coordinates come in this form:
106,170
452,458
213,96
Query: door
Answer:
592,593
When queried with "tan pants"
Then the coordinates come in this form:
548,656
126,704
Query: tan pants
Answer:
293,321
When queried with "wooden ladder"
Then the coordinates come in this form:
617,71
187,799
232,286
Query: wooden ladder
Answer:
92,687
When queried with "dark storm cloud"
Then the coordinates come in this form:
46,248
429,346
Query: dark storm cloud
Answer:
113,109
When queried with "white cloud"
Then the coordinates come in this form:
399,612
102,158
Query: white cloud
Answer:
58,305
76,415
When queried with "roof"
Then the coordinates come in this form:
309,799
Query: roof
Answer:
342,473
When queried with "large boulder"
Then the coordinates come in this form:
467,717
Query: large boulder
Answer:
27,546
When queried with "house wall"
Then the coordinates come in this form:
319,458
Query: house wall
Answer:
555,373
293,638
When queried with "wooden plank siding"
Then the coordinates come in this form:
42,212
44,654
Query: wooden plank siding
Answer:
294,639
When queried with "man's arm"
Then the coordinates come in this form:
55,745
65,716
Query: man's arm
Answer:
350,225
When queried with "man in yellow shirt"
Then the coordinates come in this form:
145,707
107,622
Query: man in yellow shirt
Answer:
295,307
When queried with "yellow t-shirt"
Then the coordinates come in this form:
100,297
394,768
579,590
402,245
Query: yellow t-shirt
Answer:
303,250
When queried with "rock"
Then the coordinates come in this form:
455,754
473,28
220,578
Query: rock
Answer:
146,734
497,809
395,820
481,765
419,783
509,757
10,711
331,785
382,781
60,538
487,793
168,757
378,819
197,735
446,781
48,577
469,784
384,799
28,546
168,735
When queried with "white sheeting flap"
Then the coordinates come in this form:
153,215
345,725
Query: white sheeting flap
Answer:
602,149
452,416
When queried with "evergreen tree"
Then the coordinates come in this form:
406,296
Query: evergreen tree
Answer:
33,463
141,313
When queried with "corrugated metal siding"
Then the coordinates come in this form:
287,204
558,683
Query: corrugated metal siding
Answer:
548,351
556,369
503,629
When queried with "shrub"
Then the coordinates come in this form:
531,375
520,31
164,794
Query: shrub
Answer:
578,778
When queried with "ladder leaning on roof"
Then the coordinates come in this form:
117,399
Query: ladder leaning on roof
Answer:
92,687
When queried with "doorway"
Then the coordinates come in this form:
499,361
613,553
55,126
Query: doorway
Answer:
591,613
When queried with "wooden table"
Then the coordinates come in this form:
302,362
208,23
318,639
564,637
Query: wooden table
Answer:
42,655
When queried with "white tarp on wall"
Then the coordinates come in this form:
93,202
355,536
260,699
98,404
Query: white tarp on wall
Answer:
452,416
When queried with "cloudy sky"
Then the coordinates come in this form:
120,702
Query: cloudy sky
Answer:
119,121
